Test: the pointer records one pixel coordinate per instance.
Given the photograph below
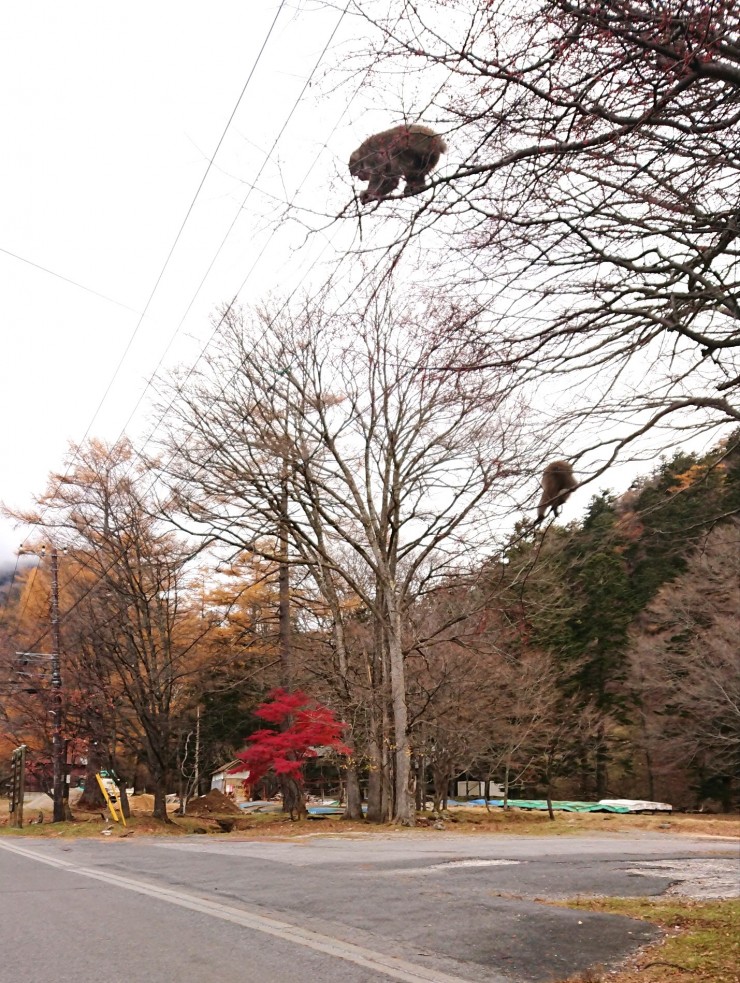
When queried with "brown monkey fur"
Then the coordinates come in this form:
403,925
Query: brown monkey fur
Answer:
409,151
557,484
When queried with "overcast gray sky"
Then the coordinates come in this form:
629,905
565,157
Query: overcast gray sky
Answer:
109,117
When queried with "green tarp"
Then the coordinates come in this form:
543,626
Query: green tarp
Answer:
558,806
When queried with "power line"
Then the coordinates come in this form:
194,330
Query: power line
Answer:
143,313
185,220
228,309
230,229
223,316
66,279
116,559
232,225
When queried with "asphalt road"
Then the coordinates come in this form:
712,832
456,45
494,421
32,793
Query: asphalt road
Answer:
413,906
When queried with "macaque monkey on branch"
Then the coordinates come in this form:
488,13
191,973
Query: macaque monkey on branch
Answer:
557,484
409,151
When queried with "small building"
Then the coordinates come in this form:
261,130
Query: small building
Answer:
230,779
478,789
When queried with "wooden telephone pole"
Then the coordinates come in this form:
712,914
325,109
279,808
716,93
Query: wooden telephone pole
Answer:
58,749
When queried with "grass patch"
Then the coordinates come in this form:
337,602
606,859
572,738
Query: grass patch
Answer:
702,942
92,826
515,822
576,823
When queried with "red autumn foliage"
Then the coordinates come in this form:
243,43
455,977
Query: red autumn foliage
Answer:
285,751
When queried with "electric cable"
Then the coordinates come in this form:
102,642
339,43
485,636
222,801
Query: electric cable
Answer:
230,229
177,238
227,310
66,279
223,316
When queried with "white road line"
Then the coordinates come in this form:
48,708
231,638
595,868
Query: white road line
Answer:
397,969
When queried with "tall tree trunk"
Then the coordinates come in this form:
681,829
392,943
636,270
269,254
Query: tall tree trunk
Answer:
439,778
123,798
379,788
586,773
404,806
379,792
286,661
294,802
92,797
160,777
647,745
181,791
353,809
550,812
548,780
650,775
387,770
375,784
602,760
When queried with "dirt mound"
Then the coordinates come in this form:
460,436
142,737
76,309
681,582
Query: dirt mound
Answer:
141,805
213,804
39,801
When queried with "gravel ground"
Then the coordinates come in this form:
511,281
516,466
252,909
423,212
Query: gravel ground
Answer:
705,879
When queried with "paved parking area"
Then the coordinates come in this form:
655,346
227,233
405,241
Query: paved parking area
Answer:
413,905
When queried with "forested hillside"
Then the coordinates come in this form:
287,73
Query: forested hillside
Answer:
638,608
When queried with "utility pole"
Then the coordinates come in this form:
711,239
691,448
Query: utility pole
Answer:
18,786
197,751
58,749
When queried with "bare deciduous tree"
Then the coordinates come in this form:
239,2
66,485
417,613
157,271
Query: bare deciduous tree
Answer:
391,471
589,199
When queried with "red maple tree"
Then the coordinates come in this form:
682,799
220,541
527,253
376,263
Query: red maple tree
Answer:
300,727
